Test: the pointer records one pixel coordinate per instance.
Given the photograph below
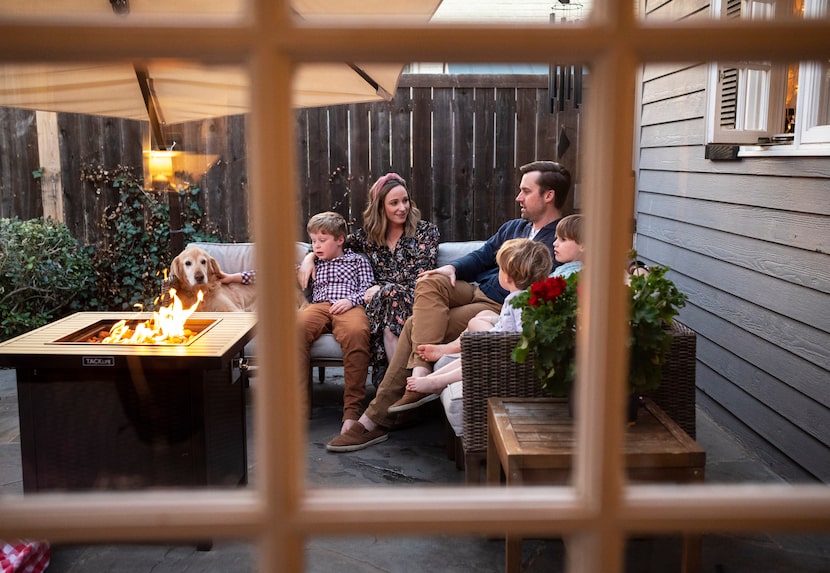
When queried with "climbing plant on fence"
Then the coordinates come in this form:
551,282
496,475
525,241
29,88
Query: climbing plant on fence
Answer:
133,252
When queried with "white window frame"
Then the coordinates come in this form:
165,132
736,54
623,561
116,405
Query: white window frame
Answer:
768,94
807,138
810,87
279,513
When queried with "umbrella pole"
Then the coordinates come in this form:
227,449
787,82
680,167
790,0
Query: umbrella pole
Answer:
145,84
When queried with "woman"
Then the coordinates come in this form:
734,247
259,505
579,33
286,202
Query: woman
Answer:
399,245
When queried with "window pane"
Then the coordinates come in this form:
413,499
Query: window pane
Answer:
755,102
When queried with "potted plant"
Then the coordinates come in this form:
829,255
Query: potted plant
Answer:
549,311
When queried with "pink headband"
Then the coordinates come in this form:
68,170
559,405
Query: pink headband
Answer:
383,181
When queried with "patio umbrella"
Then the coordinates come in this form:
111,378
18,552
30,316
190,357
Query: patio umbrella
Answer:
170,93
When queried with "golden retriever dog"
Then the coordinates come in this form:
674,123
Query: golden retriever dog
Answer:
194,270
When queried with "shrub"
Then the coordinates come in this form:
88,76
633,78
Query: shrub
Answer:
44,274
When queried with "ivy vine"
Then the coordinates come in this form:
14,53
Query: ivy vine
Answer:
133,251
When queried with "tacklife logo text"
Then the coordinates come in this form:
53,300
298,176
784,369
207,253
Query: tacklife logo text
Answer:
98,361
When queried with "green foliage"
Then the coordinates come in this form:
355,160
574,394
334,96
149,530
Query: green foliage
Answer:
44,274
655,301
549,311
134,249
549,331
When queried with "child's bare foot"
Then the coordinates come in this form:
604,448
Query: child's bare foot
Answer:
424,385
434,352
347,424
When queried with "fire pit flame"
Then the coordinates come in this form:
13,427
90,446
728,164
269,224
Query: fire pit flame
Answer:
167,326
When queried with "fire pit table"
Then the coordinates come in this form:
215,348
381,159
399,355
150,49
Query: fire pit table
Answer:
129,416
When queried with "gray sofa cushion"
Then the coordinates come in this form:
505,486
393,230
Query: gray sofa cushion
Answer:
232,257
455,249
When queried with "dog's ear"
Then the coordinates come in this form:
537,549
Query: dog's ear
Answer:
175,271
213,267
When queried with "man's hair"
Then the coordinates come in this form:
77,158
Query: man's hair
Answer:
375,222
328,222
551,176
570,228
524,261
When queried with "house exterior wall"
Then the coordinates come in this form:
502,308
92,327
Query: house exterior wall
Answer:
748,241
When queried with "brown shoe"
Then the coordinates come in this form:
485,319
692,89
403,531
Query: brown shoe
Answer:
357,438
411,400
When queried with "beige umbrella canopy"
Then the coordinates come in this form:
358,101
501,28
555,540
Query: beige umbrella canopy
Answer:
180,92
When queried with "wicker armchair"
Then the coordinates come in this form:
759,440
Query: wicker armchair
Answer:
490,372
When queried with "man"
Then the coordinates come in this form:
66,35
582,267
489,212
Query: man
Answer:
446,298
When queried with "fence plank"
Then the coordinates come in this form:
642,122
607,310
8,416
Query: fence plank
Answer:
49,154
339,166
422,145
360,176
485,108
463,191
444,149
505,177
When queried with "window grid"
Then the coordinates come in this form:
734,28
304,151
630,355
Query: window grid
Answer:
599,511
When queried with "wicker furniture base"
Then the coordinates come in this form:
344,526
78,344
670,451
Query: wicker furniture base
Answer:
490,372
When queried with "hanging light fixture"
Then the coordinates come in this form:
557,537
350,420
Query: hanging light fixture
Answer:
565,81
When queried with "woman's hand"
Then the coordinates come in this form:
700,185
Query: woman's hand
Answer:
370,293
306,271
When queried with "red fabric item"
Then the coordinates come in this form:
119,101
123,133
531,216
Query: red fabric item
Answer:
23,556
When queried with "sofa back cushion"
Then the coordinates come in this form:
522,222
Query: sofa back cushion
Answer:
452,250
237,257
232,257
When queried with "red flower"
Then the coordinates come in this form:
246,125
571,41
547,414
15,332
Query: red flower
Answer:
546,290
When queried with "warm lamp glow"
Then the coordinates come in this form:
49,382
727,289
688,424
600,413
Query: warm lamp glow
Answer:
160,164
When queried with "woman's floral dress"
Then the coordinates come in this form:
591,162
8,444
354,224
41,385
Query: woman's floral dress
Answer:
395,273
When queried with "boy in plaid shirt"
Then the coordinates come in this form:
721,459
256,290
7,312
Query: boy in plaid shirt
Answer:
340,281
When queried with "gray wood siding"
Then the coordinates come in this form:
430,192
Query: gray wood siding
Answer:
748,242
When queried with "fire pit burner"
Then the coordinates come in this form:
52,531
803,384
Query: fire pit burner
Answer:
94,332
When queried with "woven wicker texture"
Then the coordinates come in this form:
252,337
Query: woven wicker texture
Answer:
490,372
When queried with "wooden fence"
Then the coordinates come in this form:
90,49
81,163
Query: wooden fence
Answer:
458,140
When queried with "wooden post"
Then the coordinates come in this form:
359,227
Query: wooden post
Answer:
176,236
49,155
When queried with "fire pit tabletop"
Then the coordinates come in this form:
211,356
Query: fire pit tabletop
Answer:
226,335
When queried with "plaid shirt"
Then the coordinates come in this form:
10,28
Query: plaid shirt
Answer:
348,276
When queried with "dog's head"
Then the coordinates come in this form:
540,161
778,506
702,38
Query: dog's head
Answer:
194,269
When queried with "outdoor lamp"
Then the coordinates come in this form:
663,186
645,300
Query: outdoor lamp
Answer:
160,167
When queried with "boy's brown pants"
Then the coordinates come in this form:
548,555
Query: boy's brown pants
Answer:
351,331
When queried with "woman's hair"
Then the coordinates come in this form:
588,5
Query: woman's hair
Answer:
570,228
375,223
328,222
524,261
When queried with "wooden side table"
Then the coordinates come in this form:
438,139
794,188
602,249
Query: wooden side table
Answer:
532,440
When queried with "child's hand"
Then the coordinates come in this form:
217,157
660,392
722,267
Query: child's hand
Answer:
341,306
228,278
306,270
